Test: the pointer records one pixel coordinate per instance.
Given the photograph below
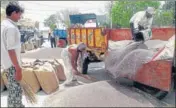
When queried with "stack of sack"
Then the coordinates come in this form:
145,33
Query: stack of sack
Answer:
43,75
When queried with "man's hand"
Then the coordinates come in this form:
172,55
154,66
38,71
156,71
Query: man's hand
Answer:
75,72
18,74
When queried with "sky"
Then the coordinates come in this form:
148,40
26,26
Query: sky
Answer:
40,10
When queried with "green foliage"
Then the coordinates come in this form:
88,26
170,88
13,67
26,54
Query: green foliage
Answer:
165,16
51,21
122,11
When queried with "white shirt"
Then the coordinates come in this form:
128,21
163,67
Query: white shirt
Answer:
10,39
140,19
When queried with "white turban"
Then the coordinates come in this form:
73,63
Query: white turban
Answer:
150,10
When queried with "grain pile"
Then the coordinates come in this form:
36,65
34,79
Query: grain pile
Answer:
126,60
4,77
99,94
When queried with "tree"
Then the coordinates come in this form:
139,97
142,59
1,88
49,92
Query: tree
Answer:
51,21
122,11
108,10
63,16
165,16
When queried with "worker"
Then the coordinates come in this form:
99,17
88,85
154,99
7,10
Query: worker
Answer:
142,20
73,56
52,40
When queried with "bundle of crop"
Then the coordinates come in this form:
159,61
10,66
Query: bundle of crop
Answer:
2,85
47,78
28,92
4,77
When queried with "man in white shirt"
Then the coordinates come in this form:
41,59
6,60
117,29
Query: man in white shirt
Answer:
10,53
140,21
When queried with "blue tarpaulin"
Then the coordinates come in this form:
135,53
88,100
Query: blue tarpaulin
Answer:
60,33
81,18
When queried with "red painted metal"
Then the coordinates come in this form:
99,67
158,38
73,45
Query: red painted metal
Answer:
156,74
125,34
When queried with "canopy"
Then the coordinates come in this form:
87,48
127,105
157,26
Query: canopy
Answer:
81,18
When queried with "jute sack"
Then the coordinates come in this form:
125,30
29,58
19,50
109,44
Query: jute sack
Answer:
59,71
30,78
47,78
2,85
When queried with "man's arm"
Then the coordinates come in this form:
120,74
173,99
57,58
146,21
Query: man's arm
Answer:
74,62
13,58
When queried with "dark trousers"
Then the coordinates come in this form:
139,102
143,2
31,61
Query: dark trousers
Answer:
86,62
136,36
53,42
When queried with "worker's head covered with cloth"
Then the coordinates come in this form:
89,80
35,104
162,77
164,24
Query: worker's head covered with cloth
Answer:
150,11
82,47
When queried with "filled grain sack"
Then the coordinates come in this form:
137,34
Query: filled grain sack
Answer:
47,77
2,85
59,71
31,79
